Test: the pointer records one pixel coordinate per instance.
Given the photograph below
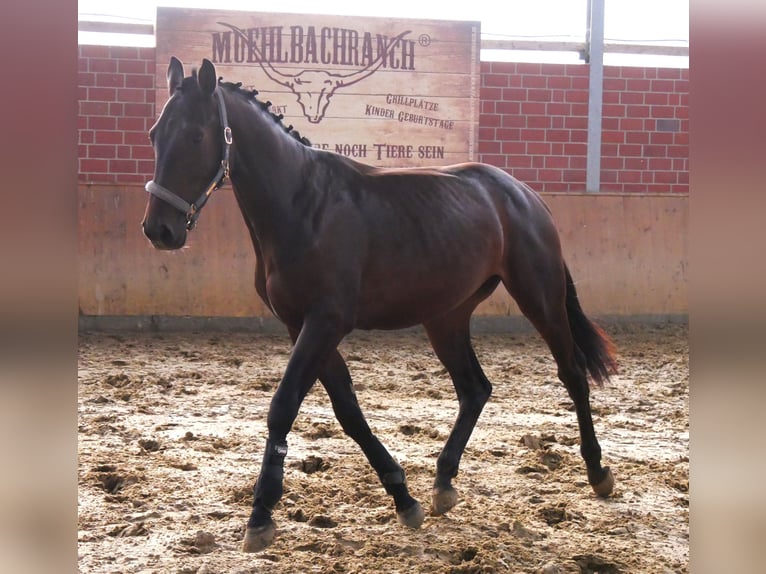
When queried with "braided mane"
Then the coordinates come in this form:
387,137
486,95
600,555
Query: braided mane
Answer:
251,95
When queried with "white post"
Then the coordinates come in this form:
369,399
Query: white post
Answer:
595,59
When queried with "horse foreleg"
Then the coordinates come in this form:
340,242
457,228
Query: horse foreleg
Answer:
316,340
453,347
337,381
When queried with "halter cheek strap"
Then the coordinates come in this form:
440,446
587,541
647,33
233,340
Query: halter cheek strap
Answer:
192,209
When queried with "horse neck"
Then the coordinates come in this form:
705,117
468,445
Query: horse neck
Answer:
266,168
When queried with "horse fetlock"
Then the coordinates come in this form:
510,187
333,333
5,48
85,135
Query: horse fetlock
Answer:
412,517
259,537
442,500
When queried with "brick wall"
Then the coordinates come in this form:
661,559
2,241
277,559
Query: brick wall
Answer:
533,122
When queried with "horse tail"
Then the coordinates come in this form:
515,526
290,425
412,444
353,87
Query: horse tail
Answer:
596,346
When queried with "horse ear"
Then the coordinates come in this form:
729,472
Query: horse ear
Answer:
175,75
207,79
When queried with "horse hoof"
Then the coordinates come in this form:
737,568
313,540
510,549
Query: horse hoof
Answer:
442,500
256,539
412,517
604,488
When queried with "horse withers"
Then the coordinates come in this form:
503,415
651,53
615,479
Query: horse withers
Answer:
341,245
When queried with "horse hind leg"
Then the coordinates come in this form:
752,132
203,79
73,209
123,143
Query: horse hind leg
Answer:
451,341
541,295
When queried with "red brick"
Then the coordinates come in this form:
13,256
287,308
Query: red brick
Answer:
89,165
557,122
102,151
539,95
86,79
131,67
539,122
139,139
101,94
122,166
538,82
131,95
514,147
637,111
538,161
137,124
505,134
146,166
637,137
533,135
576,96
631,98
494,80
487,147
678,151
139,81
669,73
550,175
610,123
654,150
508,108
660,164
490,120
615,163
490,93
523,68
94,108
559,135
538,148
523,161
614,110
636,85
630,150
557,109
556,161
662,86
139,110
110,80
662,112
613,137
558,82
574,149
657,98
101,123
576,123
533,108
513,121
103,65
580,162
515,94
665,177
573,175
636,163
614,84
581,83
108,137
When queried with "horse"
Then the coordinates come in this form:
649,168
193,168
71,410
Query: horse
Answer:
342,245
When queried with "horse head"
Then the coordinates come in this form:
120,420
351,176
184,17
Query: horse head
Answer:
188,150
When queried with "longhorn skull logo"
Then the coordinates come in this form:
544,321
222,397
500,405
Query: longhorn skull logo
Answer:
314,88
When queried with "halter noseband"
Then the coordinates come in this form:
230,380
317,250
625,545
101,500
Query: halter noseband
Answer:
192,209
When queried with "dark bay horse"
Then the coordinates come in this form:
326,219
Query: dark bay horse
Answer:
342,245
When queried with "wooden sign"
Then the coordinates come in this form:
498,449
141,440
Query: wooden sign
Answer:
388,92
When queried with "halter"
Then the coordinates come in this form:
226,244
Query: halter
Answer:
192,209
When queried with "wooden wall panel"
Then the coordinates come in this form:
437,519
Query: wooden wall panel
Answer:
628,255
